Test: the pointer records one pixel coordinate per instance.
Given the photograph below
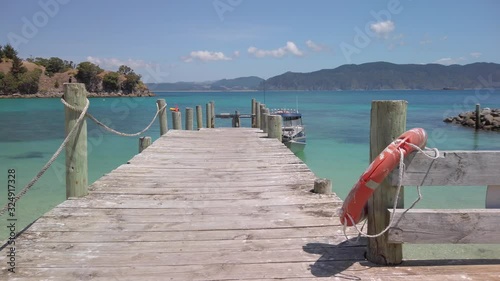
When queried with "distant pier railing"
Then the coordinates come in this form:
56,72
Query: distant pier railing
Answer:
76,151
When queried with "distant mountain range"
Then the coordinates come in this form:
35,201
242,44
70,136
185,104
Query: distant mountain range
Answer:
367,76
384,75
237,84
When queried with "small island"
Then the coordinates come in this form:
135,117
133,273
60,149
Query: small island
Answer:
44,77
489,119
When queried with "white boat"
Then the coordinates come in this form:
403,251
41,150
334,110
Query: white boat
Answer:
294,136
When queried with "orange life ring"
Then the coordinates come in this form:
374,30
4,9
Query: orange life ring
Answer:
353,208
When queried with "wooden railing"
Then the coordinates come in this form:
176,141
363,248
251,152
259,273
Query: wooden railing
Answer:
453,168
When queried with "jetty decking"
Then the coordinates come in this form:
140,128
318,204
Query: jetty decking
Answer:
214,204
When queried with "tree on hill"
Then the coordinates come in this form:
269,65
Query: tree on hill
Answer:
110,82
17,67
88,73
125,70
131,82
54,65
131,79
9,84
2,76
9,52
28,82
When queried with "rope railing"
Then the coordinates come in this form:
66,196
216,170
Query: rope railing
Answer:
83,113
49,163
111,129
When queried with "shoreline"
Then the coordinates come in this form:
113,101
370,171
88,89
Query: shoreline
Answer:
90,95
153,94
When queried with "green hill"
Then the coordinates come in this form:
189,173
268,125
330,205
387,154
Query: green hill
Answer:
384,75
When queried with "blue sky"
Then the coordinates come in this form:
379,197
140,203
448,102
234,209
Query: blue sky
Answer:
188,40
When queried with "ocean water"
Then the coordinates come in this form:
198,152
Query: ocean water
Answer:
337,142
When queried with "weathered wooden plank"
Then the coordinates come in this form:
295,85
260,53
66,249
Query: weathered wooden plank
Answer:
179,188
97,258
310,211
320,209
176,184
202,235
148,193
151,204
447,226
334,270
48,224
323,243
455,168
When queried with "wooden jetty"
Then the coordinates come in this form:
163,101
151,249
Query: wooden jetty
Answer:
225,204
191,208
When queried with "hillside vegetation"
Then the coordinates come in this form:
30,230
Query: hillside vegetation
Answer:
383,75
44,77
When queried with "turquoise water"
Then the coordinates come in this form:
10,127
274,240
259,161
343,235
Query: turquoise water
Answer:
337,130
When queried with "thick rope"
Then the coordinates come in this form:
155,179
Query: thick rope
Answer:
49,163
396,199
111,129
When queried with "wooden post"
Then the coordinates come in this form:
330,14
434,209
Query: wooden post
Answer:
253,113
274,127
144,142
212,117
189,118
176,120
199,117
323,186
264,116
257,115
208,115
388,121
236,119
162,116
262,110
478,116
76,149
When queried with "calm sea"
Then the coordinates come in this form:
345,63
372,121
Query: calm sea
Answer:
337,140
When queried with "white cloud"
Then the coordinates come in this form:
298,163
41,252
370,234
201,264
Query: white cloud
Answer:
316,47
115,63
236,54
444,38
449,61
383,28
289,48
205,56
475,54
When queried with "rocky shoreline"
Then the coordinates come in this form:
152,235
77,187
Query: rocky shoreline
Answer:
90,95
490,119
